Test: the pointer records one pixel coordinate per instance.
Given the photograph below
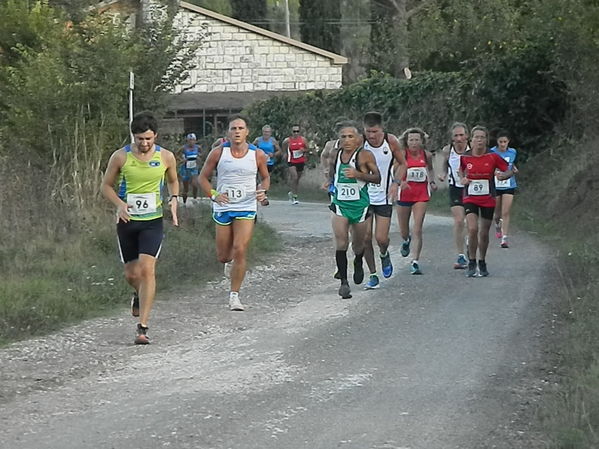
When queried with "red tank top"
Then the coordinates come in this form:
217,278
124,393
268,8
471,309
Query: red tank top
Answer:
294,153
417,177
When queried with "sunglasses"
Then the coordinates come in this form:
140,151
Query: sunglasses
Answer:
295,130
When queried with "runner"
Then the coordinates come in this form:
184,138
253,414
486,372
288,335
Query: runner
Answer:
385,148
353,170
140,170
414,193
476,175
296,147
505,189
235,199
328,155
451,165
269,145
189,168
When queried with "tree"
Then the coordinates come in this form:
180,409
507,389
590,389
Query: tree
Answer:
251,11
320,24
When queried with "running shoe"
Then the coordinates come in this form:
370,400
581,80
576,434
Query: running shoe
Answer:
142,335
415,268
461,263
373,282
387,265
135,304
498,233
471,271
482,268
234,303
294,200
290,196
227,269
504,243
405,247
358,271
344,290
337,275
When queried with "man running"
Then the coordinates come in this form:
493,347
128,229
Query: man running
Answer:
140,170
235,199
267,143
189,169
505,188
477,171
354,168
296,147
385,148
451,165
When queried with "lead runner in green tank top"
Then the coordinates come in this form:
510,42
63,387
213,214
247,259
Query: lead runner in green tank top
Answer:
140,170
354,168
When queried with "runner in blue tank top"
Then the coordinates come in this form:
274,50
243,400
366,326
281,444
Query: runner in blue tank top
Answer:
189,158
505,189
269,145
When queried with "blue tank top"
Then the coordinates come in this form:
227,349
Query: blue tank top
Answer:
191,153
510,155
268,146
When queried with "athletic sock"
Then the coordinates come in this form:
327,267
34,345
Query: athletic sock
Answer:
359,257
386,254
341,259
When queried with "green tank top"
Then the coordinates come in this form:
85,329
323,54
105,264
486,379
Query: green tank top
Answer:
141,184
349,191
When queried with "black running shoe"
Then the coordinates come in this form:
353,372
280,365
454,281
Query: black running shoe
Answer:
358,271
142,335
482,268
344,290
135,304
471,271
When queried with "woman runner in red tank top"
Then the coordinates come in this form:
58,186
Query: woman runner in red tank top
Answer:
296,147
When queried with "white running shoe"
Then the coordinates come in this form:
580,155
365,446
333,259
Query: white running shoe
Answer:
234,302
228,268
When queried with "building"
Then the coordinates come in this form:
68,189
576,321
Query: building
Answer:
237,64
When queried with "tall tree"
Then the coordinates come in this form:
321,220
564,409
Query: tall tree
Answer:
320,24
251,11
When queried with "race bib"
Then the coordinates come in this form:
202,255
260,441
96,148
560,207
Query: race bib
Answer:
478,187
375,189
416,174
235,194
297,154
141,203
191,164
348,191
502,184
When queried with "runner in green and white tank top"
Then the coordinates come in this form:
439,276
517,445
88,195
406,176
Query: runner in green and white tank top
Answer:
350,195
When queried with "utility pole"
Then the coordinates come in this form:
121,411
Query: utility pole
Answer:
287,26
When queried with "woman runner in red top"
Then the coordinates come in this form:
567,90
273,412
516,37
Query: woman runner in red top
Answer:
296,147
414,193
477,172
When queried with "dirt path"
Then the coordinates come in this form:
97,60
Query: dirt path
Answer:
432,361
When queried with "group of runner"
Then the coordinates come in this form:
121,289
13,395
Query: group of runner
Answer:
366,171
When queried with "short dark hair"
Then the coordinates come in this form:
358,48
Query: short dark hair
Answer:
502,133
373,118
144,121
234,117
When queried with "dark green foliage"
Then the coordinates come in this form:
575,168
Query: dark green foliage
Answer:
251,11
320,24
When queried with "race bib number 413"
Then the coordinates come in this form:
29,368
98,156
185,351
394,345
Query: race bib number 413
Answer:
348,191
479,187
141,203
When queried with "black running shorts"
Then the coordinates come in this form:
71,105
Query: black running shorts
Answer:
382,210
456,195
483,212
139,237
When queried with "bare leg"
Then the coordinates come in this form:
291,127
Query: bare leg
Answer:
403,217
472,223
458,227
483,237
242,234
141,275
293,179
368,248
506,207
419,210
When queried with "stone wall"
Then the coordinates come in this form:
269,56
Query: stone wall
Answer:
233,59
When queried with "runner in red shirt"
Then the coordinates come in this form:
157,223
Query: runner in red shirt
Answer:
414,193
477,172
296,147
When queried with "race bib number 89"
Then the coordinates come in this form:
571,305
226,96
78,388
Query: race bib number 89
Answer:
141,203
348,191
416,174
478,187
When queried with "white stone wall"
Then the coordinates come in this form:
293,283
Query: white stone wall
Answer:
233,59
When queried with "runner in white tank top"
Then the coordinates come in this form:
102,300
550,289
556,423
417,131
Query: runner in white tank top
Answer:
386,150
235,199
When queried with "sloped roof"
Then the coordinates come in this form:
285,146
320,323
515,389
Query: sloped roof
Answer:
335,58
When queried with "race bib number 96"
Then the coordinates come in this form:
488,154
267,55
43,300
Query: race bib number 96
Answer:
348,191
141,203
478,187
416,174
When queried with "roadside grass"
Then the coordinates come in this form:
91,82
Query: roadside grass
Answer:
48,284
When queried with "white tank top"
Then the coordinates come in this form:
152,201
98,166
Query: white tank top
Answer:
454,166
237,178
384,160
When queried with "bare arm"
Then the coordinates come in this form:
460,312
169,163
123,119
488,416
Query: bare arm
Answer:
172,182
262,188
445,163
430,170
400,166
278,151
115,163
206,174
368,172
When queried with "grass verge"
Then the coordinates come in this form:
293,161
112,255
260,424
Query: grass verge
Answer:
48,284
